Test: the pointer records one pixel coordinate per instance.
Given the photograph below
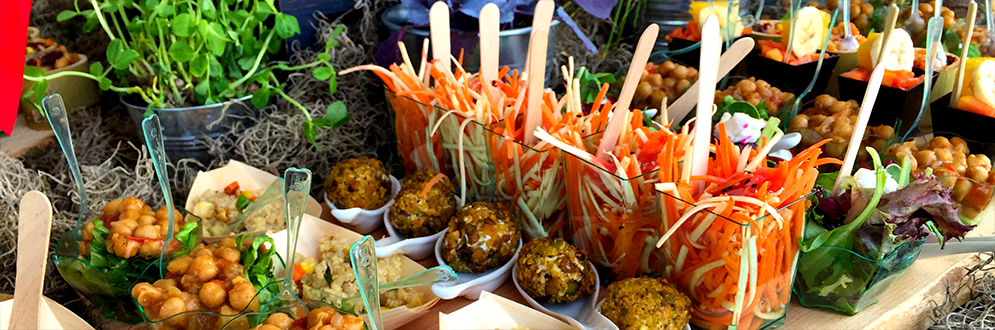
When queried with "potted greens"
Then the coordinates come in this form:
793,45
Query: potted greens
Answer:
408,22
199,64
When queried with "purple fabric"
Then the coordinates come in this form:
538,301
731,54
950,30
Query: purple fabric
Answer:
506,7
598,8
387,52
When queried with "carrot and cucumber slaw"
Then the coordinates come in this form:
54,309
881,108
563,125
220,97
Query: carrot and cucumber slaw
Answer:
732,247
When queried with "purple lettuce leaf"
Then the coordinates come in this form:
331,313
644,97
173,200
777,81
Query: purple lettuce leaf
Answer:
833,208
387,51
418,10
923,200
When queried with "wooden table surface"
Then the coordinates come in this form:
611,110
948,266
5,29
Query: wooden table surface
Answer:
22,138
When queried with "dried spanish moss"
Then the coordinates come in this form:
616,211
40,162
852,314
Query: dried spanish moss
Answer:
978,312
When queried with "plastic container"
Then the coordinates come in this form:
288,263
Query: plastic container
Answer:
531,180
247,318
599,212
791,78
864,280
749,289
465,148
413,122
971,126
891,102
110,291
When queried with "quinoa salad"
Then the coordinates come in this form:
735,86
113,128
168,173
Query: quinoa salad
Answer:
330,278
219,207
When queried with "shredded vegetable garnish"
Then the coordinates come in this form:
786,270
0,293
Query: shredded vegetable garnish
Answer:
732,248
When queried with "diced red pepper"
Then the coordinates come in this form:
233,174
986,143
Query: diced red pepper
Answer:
232,188
298,273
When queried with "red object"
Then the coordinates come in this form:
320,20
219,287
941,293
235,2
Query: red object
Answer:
232,188
298,273
14,14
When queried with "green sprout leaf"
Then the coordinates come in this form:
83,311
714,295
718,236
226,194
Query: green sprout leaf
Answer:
97,69
180,52
34,71
286,26
181,25
261,97
198,66
337,114
104,83
207,7
39,89
322,72
66,15
324,57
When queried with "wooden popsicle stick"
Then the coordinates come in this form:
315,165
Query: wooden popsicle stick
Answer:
972,11
711,46
34,228
541,18
871,95
439,26
732,56
636,67
889,26
537,77
490,25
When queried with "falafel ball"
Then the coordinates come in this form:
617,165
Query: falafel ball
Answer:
646,303
554,271
416,215
358,182
480,236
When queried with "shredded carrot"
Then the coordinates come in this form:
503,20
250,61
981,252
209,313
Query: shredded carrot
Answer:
432,182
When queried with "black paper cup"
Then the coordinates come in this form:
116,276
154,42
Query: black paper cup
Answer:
891,102
793,78
971,126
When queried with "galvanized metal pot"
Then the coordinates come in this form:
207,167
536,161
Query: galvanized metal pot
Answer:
514,47
185,131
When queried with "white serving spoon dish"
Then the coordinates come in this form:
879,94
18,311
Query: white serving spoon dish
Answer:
580,314
472,284
360,220
417,248
598,309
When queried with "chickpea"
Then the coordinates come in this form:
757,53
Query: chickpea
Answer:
886,131
816,120
112,208
165,284
147,231
88,232
879,144
273,327
946,177
161,213
867,9
150,246
241,296
203,268
124,227
961,189
959,144
179,265
212,294
655,79
146,220
680,72
203,252
958,157
132,203
174,292
943,155
170,307
642,91
959,167
682,84
668,66
146,294
977,173
229,254
228,242
669,82
926,157
940,142
129,214
800,121
280,320
692,73
842,128
979,160
824,101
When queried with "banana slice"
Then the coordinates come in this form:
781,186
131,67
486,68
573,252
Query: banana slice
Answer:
983,82
722,13
900,54
808,34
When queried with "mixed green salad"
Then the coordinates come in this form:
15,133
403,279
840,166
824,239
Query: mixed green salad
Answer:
855,240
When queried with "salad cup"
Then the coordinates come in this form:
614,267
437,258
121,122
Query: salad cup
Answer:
413,121
107,285
364,221
970,125
616,229
863,278
464,141
530,179
792,78
891,102
246,318
756,287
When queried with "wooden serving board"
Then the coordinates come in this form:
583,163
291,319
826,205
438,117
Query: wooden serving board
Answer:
22,138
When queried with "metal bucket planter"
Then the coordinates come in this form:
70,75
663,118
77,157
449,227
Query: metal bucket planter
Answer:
185,131
514,47
77,91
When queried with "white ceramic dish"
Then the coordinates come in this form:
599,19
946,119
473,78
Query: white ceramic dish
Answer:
686,326
492,311
581,314
415,248
472,284
311,231
360,220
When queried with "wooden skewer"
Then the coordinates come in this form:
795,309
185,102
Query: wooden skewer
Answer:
711,46
490,25
732,56
889,26
439,26
541,18
972,11
871,95
34,229
537,77
636,67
